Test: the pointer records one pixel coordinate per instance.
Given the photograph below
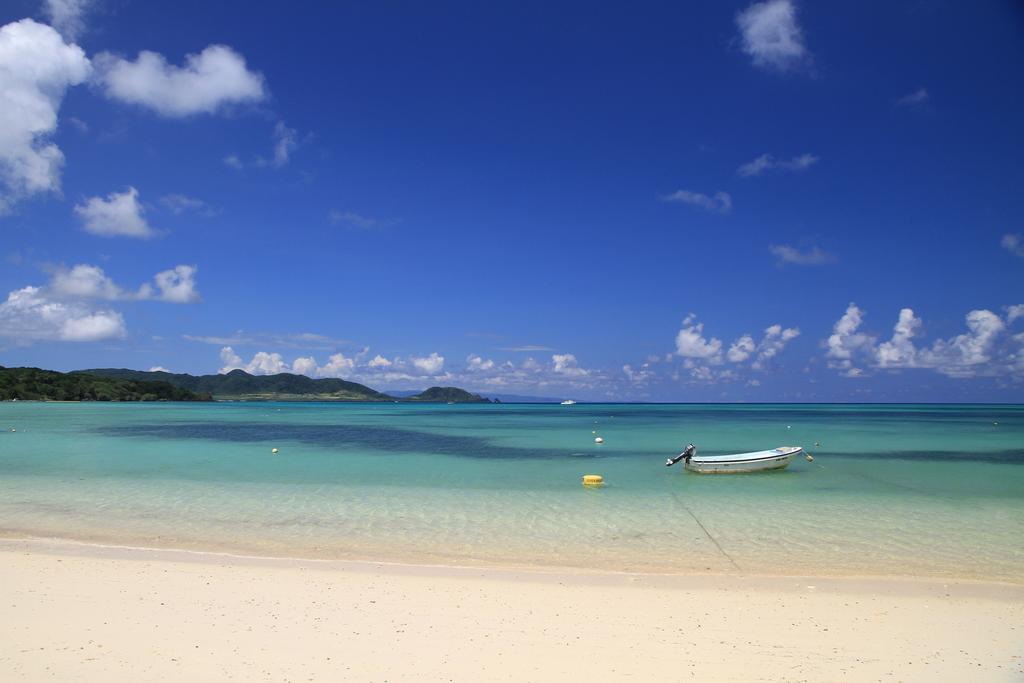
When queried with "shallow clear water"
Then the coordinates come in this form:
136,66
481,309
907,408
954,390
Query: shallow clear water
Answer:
909,489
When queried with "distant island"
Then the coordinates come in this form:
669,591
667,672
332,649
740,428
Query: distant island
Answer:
239,385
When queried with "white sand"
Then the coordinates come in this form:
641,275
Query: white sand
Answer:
83,613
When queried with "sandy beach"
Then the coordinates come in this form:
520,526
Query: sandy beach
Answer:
89,613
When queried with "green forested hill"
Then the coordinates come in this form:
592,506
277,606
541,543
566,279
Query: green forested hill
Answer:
447,395
32,384
240,385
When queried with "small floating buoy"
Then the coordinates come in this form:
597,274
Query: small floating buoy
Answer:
598,440
816,443
810,458
994,423
593,480
274,451
789,426
13,429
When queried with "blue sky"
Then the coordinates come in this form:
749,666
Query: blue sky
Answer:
657,201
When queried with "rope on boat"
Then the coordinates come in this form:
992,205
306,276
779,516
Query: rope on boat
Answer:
706,532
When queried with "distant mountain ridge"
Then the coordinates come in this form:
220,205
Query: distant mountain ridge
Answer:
240,385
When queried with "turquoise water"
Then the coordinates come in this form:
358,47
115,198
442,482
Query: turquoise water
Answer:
910,489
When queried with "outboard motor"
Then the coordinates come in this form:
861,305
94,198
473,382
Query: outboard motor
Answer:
687,453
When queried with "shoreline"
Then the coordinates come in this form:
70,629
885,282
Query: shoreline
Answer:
85,612
113,550
56,547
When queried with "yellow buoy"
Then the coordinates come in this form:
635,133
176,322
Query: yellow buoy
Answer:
593,480
810,458
598,440
274,451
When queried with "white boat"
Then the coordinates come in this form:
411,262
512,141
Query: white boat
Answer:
570,402
774,459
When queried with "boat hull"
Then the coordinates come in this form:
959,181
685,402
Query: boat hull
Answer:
743,463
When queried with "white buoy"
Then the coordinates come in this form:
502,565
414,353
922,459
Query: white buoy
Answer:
810,458
274,451
598,440
789,426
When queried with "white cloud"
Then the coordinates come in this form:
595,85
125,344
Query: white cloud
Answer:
478,364
690,342
304,366
1014,312
379,361
338,365
979,351
431,364
845,341
774,340
158,368
566,364
179,204
919,96
67,16
32,314
741,349
771,36
641,375
232,161
766,162
814,256
720,202
285,142
36,68
177,285
230,359
208,81
119,215
1013,243
899,351
85,281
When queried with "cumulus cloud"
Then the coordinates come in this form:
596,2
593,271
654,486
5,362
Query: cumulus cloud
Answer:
741,349
209,81
771,35
566,364
338,365
1013,243
67,16
33,314
177,285
766,162
774,340
379,361
982,350
478,364
119,215
919,96
431,364
720,202
702,355
36,68
813,256
158,368
85,281
262,363
690,342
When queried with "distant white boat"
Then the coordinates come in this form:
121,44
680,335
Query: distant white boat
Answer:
756,461
570,402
